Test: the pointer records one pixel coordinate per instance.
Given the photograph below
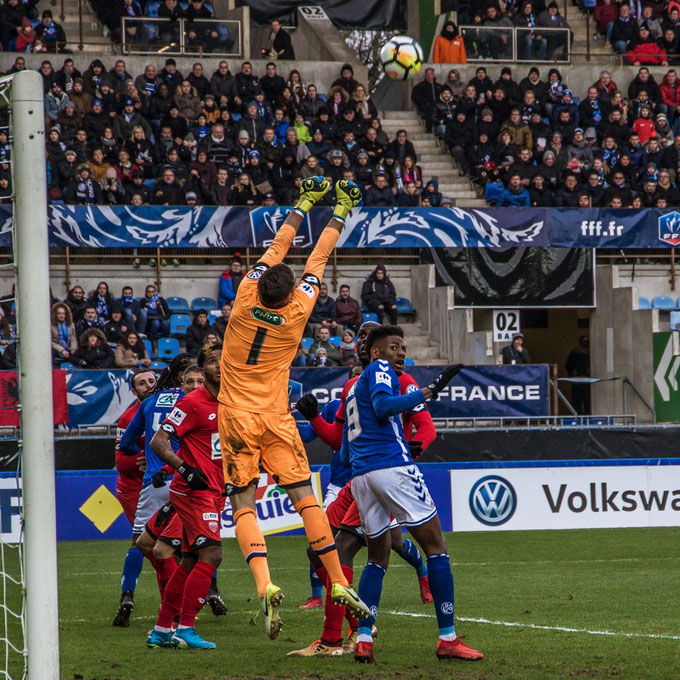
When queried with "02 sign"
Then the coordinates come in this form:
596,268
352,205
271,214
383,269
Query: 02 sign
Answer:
505,324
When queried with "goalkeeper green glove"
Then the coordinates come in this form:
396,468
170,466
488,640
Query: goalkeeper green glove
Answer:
348,195
312,190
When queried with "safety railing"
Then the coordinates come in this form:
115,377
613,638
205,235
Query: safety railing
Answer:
144,35
515,44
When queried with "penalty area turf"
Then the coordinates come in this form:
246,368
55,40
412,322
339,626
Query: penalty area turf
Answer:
538,604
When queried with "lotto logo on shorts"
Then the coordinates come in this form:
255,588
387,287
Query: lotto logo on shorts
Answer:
210,516
177,416
383,378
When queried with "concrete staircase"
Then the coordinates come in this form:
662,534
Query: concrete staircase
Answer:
94,40
434,160
420,347
599,54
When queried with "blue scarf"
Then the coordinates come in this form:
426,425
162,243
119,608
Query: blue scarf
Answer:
102,307
152,303
63,334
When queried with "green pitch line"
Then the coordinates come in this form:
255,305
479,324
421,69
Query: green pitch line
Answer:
540,605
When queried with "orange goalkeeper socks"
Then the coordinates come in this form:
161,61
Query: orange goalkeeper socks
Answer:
253,547
320,537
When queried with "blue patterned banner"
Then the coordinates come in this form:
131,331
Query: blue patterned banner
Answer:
217,227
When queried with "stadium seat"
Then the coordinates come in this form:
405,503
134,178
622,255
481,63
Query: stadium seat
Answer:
493,190
203,303
68,367
409,362
335,340
404,305
371,316
675,321
149,347
152,7
212,317
644,303
179,324
177,304
160,365
168,348
663,302
307,342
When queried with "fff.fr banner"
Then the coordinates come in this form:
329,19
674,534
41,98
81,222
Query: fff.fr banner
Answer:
239,227
101,397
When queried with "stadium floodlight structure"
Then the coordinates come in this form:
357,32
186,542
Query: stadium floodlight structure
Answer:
23,95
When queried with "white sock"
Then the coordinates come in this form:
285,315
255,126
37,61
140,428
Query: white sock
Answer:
162,629
181,627
364,637
448,637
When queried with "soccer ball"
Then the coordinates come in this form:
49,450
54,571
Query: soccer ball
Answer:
401,57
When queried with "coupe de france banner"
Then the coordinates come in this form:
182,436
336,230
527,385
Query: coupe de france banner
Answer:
239,227
101,397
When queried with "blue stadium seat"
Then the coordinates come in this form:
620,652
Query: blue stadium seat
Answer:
159,365
307,342
663,302
203,303
493,190
335,340
409,362
404,305
179,324
177,304
370,316
212,317
152,7
149,347
675,321
644,303
69,367
168,348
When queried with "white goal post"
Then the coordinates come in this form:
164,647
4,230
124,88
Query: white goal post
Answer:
31,243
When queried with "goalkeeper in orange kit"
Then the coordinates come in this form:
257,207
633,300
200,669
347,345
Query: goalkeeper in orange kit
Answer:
255,424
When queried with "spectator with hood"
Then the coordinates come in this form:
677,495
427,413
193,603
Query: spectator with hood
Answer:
448,46
230,281
346,79
94,351
378,294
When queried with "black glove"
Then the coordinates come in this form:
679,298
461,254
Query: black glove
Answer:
308,406
415,448
158,480
164,515
444,378
195,478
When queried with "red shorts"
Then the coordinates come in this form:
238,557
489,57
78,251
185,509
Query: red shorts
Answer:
343,510
129,499
201,517
165,525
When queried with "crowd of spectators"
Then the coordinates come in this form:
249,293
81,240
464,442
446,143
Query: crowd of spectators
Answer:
550,147
99,330
166,138
22,31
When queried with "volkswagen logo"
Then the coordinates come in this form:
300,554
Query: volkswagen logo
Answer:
493,500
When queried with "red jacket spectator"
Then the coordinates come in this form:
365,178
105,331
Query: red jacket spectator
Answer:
670,89
648,53
604,14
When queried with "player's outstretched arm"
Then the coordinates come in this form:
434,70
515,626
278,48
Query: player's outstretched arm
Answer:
312,190
349,196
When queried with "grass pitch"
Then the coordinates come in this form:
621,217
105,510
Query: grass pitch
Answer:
567,604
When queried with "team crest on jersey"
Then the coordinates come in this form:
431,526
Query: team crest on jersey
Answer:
177,416
383,378
167,399
307,289
271,318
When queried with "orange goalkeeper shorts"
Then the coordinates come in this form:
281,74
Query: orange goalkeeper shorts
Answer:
248,439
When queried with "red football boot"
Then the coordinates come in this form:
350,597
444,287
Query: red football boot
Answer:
425,594
312,603
456,649
363,652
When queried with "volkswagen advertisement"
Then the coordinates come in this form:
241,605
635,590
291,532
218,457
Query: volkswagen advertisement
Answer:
569,497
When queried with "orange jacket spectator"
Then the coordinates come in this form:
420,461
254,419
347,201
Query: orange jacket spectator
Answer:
448,46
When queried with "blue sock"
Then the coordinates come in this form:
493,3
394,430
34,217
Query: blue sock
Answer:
315,582
412,555
132,568
370,589
213,581
441,587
